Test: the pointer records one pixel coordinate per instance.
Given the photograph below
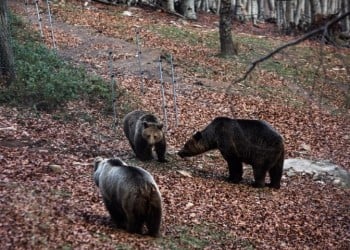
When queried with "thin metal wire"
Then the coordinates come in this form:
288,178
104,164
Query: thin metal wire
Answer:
139,59
50,21
163,94
39,19
113,86
173,81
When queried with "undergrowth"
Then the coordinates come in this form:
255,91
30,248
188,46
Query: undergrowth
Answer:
44,81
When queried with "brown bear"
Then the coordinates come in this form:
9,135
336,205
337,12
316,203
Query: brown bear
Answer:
144,133
253,142
130,195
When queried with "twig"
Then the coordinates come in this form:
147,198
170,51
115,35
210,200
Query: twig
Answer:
306,36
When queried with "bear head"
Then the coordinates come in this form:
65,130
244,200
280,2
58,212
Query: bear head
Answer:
97,162
194,146
152,132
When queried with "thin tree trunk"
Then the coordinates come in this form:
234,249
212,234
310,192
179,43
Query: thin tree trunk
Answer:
218,7
332,6
7,65
346,21
280,10
324,7
170,5
188,9
271,6
307,12
315,10
261,8
289,16
299,10
226,42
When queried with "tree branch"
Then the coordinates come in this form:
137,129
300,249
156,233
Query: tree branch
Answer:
306,36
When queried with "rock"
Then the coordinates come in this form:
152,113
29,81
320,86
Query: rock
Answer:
337,182
319,170
306,147
184,173
55,168
290,173
127,13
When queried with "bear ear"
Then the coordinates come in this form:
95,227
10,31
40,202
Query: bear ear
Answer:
97,162
197,136
145,124
160,125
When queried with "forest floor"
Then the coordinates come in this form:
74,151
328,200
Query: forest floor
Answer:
48,198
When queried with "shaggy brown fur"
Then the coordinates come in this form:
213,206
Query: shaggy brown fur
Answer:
250,141
144,133
130,195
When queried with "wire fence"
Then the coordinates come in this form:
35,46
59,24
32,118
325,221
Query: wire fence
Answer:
305,72
41,16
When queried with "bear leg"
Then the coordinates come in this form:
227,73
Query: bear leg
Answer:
160,149
276,174
153,221
134,219
227,150
143,150
259,176
116,213
235,170
134,225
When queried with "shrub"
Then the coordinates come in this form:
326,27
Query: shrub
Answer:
45,81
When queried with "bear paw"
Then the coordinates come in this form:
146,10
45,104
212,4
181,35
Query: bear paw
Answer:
258,185
235,180
272,185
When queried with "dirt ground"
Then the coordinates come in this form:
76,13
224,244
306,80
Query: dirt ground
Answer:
48,200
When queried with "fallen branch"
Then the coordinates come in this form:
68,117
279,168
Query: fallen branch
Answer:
8,128
323,29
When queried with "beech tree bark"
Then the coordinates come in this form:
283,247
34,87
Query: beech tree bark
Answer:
226,42
170,6
188,10
346,22
7,65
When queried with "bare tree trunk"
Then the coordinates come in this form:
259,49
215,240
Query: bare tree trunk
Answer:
252,10
261,8
271,7
7,65
289,20
307,12
299,10
315,9
238,11
188,9
218,7
346,22
226,42
333,5
324,7
280,10
170,6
